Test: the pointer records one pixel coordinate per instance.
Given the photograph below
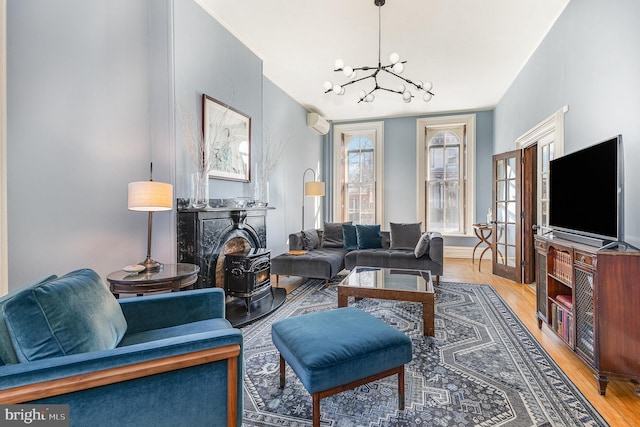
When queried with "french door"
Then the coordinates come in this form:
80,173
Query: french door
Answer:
507,215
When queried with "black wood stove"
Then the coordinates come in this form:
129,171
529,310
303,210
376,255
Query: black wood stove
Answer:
247,274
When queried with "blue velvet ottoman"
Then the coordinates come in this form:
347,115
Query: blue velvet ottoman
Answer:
337,350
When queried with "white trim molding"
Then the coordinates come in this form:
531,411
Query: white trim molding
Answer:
553,123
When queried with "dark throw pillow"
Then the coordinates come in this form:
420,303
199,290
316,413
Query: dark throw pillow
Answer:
349,237
310,240
333,237
369,236
405,235
423,245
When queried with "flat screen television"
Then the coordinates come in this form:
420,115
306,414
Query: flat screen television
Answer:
586,192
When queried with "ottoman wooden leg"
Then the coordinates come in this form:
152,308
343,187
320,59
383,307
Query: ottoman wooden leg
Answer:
316,409
282,369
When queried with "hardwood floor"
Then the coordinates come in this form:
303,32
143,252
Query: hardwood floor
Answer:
620,406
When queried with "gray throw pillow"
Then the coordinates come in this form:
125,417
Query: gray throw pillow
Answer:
423,245
405,235
332,237
310,240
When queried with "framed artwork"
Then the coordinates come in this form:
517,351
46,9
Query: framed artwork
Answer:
227,136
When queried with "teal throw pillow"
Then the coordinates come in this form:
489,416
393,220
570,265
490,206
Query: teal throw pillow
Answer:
369,236
349,237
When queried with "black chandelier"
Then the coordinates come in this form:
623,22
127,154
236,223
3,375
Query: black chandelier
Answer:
395,68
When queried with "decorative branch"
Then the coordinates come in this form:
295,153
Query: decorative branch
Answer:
272,154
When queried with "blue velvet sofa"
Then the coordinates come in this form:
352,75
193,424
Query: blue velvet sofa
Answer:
168,359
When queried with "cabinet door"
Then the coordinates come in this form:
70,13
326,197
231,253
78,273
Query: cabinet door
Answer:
541,285
585,337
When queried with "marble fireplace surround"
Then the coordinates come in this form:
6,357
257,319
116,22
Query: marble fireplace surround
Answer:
205,236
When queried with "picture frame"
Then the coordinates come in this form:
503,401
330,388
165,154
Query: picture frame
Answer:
227,135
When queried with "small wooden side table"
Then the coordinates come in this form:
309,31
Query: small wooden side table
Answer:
483,232
170,278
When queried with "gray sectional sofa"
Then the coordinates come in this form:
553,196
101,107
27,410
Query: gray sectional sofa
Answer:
324,260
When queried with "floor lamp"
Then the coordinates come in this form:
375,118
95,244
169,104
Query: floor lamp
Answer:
311,189
150,196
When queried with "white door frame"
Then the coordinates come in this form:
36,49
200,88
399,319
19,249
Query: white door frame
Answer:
551,126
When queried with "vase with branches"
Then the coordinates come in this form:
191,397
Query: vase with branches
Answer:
272,154
200,159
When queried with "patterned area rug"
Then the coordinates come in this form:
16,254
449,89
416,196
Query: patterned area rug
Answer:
483,368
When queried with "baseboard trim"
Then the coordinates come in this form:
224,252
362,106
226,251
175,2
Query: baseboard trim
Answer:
465,252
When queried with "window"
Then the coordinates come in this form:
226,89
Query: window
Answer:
445,183
358,178
445,173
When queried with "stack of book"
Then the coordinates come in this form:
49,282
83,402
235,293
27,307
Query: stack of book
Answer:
562,317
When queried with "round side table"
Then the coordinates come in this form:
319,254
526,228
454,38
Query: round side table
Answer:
483,232
170,278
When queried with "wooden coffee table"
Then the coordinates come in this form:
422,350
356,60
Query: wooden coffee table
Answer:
391,284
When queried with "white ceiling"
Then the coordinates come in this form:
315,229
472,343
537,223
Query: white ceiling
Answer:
471,50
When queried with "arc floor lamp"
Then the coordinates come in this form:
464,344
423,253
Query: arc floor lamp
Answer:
310,189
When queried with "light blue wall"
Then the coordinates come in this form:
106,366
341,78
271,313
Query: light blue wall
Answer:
210,60
92,87
400,203
590,61
79,129
285,123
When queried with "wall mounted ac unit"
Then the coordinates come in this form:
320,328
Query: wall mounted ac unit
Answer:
317,124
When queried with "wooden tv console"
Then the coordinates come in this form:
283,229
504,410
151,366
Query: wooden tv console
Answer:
591,299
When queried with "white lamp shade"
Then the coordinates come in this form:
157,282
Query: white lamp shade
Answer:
314,188
150,196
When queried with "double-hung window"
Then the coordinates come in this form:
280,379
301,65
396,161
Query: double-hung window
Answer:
359,176
445,173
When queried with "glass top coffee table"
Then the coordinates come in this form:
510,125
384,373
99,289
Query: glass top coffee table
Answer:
393,284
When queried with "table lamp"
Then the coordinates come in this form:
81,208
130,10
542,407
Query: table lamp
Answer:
150,196
311,189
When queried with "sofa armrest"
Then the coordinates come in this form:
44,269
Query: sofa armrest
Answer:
46,370
436,247
124,374
171,309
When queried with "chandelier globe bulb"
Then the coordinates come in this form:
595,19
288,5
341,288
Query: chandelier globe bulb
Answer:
428,86
370,98
427,97
394,57
406,97
339,64
401,88
328,85
347,70
398,67
337,89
